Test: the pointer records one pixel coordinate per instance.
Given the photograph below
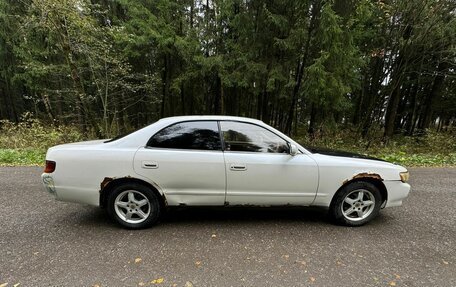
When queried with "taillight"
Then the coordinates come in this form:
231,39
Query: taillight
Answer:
50,166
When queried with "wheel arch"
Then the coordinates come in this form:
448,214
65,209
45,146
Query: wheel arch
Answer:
109,183
374,179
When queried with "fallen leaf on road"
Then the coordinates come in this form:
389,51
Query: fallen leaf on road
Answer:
445,262
96,285
137,260
392,283
141,284
397,276
214,235
312,279
198,263
3,285
157,281
188,284
17,284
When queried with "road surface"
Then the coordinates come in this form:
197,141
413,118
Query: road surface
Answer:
48,243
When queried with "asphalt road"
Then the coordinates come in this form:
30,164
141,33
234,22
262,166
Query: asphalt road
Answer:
48,243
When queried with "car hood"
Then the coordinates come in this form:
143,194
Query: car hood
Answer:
350,164
339,153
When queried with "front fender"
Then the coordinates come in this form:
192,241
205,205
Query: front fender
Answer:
334,172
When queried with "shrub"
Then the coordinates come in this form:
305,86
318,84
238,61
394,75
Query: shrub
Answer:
26,142
31,133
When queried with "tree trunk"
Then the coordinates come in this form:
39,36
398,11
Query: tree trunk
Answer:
218,101
316,7
435,93
165,86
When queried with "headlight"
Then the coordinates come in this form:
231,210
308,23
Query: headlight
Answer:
404,176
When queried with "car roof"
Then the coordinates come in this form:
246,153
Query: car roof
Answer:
141,136
210,117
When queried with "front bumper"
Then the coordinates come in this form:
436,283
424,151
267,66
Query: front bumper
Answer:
397,192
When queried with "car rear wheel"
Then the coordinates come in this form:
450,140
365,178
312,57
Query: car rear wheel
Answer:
356,204
134,206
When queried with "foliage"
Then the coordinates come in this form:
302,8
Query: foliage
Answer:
304,66
25,143
32,134
433,149
21,157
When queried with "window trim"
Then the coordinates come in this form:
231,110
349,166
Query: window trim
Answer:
222,140
187,149
251,152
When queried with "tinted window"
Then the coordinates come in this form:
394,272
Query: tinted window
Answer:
188,135
251,138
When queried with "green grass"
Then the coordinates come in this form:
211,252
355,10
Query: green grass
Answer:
21,157
25,144
430,150
420,160
36,157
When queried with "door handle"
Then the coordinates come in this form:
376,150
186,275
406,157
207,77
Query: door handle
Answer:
238,167
149,164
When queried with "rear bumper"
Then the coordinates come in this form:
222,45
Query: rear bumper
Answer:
48,182
397,192
73,193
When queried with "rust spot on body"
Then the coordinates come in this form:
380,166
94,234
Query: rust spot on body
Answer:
105,182
364,175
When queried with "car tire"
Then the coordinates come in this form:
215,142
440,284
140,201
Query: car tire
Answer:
355,204
134,206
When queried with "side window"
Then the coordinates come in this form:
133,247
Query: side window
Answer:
200,135
251,138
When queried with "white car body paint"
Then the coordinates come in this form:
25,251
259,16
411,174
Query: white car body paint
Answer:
194,177
270,179
189,177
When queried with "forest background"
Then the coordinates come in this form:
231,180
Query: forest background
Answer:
376,77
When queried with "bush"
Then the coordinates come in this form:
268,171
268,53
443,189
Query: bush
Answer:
431,149
33,134
12,157
25,143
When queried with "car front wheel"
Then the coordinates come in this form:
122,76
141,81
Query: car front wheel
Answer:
356,204
134,206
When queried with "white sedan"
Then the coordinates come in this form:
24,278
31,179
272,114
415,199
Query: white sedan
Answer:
218,161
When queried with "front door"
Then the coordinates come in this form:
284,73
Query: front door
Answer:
186,161
260,171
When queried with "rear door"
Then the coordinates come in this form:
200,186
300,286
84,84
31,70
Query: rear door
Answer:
186,161
260,170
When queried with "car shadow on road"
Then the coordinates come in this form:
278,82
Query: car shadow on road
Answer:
220,215
246,216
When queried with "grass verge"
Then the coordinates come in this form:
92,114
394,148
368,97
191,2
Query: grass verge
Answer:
25,144
34,157
22,157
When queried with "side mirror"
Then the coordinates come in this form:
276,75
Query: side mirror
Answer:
292,149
